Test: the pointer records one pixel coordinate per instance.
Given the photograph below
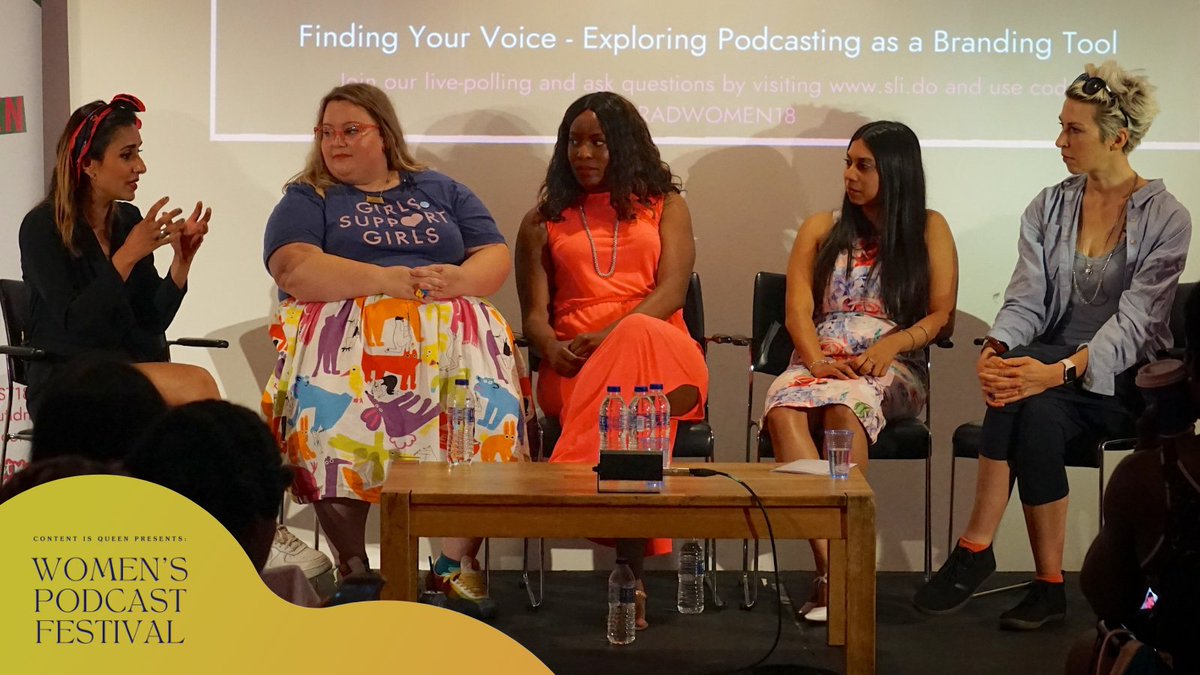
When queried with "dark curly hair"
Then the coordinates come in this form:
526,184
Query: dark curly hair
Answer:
222,457
635,167
903,262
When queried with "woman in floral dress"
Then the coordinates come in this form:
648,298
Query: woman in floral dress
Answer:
886,271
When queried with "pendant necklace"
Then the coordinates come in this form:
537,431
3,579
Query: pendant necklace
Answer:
377,198
612,266
1087,265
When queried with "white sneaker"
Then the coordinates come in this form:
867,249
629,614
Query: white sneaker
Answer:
286,549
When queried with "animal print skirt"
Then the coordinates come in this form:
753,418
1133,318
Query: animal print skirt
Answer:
361,382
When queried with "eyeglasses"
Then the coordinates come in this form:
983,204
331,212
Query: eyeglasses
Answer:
1092,85
351,132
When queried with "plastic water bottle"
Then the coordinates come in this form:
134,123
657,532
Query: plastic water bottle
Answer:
622,592
461,448
641,420
690,597
612,421
661,427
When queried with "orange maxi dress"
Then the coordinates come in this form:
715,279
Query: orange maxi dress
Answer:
641,350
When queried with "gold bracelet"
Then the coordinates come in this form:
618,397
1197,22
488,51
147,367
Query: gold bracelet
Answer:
927,340
825,360
912,337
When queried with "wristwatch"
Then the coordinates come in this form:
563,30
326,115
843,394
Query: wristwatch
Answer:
997,346
1068,371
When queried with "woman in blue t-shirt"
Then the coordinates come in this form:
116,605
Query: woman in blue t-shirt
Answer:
382,265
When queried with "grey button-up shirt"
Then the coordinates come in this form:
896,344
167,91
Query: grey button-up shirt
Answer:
1158,229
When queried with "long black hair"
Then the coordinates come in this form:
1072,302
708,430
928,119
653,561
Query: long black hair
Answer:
635,167
903,260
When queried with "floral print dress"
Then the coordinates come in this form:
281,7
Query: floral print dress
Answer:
852,319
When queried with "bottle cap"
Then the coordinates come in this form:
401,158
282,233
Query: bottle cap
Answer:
1163,373
460,382
622,561
641,388
656,387
614,390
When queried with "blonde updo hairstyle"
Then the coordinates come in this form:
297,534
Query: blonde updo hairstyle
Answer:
1127,95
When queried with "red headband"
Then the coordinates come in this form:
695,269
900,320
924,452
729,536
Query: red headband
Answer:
81,139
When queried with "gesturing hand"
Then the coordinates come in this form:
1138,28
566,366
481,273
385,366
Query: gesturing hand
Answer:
191,233
156,229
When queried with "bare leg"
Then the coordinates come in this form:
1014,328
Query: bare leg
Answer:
991,497
345,523
180,383
455,548
842,417
791,434
1047,526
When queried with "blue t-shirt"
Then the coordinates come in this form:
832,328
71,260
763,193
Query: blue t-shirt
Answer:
428,219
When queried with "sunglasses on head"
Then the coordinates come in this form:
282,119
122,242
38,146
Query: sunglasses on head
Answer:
81,140
1092,85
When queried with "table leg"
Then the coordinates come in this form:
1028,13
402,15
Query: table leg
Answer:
398,549
837,593
860,596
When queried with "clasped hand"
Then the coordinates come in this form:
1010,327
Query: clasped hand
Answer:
875,361
1007,381
566,357
439,282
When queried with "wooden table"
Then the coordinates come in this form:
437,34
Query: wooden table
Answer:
560,501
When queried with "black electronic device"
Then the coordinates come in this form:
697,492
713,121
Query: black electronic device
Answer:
629,471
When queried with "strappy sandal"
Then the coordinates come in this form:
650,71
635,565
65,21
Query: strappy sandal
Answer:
639,607
817,607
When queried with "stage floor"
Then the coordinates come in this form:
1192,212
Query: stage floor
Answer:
567,631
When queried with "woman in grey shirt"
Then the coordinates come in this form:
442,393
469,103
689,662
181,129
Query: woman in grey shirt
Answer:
1100,256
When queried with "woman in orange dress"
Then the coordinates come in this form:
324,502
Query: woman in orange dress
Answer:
603,264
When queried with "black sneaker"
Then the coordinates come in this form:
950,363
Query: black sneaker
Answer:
956,581
1045,602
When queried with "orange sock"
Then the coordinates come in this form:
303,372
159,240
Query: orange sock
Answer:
1049,578
971,546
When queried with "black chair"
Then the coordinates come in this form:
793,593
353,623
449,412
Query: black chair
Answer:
14,309
1086,451
770,346
693,440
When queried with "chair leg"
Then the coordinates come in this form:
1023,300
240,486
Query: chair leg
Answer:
749,581
487,563
316,531
950,526
535,599
710,572
4,442
928,513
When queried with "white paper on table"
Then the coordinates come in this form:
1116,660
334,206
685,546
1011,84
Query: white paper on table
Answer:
815,467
